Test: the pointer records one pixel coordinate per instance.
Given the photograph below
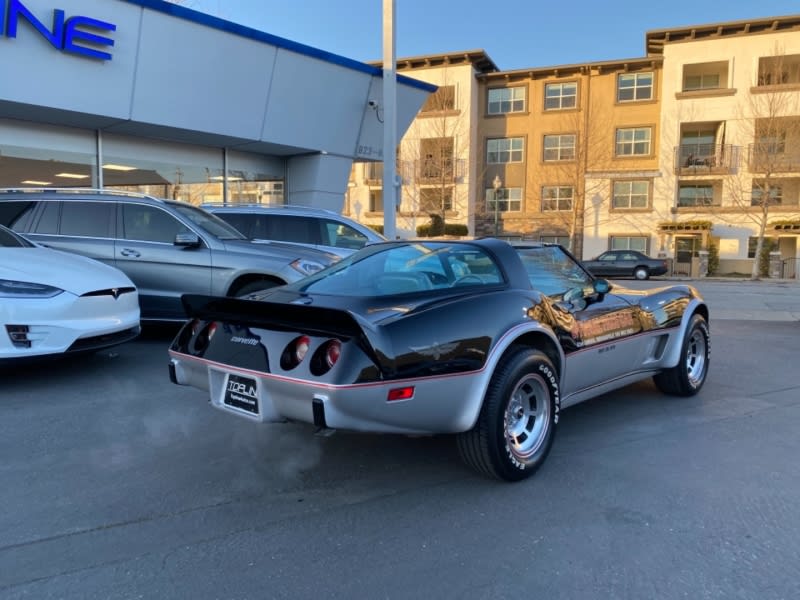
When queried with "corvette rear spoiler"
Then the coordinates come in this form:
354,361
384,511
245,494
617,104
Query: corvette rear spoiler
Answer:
302,318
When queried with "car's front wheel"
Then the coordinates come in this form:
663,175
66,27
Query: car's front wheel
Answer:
255,286
688,376
515,428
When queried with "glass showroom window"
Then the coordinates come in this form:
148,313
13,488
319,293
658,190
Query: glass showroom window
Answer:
508,199
631,194
558,96
625,242
504,150
634,86
557,197
559,147
506,100
254,178
634,141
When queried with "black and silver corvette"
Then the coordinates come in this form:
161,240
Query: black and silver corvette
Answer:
482,339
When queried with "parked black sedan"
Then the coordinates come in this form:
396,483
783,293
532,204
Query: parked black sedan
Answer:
480,339
626,263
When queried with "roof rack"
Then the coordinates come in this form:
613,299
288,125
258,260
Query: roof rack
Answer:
219,204
80,191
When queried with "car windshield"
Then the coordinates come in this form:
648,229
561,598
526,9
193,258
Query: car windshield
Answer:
210,223
551,270
389,269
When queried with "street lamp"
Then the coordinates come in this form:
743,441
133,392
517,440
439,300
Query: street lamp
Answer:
496,185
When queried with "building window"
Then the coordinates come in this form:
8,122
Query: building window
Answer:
559,147
561,240
753,242
634,141
376,201
558,96
504,150
779,70
506,100
630,242
634,86
508,199
758,191
557,197
705,76
442,99
435,199
701,194
631,194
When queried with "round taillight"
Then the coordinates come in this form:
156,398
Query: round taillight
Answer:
332,351
301,346
212,329
195,326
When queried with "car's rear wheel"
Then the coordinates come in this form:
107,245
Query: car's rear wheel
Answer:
689,375
641,273
515,428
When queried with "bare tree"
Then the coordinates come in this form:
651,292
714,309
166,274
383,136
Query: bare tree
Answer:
770,117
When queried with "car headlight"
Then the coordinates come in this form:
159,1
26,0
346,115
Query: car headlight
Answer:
25,289
307,267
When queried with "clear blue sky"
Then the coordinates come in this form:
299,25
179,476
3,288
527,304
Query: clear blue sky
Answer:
516,33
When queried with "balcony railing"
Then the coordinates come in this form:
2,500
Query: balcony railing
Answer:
772,158
437,171
701,159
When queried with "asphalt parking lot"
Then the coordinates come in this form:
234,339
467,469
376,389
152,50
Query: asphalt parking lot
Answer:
118,484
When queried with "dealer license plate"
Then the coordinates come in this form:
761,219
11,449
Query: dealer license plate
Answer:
242,393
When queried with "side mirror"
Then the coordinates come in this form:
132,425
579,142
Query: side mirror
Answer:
189,240
601,288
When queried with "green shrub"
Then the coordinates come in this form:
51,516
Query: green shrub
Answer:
454,229
378,228
713,258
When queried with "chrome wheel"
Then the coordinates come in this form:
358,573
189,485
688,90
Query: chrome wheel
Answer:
527,416
696,358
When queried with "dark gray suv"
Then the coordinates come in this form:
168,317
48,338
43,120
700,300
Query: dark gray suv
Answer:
167,248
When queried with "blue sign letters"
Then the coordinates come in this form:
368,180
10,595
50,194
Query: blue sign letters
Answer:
76,35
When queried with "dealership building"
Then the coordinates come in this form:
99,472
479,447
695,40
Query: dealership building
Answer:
149,96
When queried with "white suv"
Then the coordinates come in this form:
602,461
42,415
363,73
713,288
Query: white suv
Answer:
317,227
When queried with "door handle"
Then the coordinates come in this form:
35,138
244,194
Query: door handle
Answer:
130,252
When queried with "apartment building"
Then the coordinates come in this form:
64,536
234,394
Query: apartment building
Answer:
436,158
730,141
694,146
570,154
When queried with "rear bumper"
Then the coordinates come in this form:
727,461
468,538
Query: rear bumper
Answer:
448,404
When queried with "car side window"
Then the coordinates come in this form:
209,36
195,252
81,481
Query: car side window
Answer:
87,219
150,224
48,220
17,215
340,235
608,256
241,222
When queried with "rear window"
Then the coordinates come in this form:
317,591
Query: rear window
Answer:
406,269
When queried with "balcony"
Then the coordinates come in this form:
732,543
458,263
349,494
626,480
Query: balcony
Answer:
446,170
772,158
706,159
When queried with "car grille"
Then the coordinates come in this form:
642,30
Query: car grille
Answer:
102,341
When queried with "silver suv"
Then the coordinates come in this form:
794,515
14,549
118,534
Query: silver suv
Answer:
167,248
314,227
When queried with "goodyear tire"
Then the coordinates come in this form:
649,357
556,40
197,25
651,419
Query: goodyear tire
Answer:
516,426
689,375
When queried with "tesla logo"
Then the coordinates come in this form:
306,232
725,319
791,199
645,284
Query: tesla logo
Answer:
75,35
115,293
